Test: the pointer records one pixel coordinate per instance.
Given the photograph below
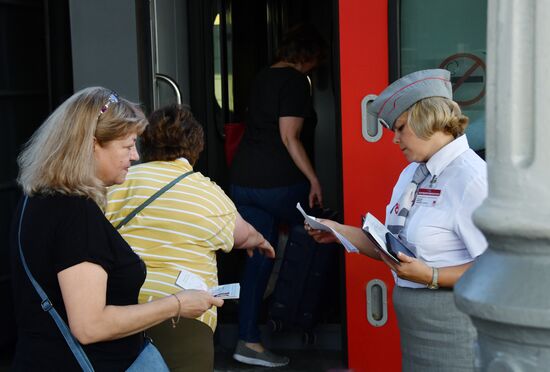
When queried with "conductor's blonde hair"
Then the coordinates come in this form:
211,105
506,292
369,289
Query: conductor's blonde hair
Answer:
436,114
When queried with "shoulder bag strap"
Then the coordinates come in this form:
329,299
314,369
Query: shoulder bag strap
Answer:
46,304
151,199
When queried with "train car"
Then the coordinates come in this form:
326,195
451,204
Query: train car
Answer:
206,52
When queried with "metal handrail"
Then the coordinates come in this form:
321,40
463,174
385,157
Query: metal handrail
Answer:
172,83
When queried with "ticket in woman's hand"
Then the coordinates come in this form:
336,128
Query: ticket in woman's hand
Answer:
312,221
226,291
188,280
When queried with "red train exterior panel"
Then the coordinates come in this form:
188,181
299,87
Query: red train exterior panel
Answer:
369,173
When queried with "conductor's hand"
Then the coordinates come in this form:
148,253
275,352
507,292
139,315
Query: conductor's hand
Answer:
194,303
409,268
264,248
321,236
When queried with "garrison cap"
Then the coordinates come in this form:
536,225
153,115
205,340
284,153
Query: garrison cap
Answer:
405,92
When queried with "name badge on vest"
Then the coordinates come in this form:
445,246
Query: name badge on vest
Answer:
427,197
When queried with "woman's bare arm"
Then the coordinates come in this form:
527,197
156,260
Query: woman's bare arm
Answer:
290,128
417,271
247,237
84,288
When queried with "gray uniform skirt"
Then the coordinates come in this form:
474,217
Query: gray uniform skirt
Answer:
435,335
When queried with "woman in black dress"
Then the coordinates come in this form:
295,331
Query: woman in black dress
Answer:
89,272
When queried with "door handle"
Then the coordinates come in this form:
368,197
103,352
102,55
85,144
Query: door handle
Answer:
377,302
370,128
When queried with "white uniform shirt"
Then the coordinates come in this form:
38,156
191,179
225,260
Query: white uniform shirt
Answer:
443,234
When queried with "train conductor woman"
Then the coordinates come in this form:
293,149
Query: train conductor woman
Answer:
429,129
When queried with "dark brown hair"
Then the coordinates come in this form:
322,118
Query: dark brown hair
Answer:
172,133
301,44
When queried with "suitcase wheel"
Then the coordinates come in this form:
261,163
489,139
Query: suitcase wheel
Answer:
309,338
275,325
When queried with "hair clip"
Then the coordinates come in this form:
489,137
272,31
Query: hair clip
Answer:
113,98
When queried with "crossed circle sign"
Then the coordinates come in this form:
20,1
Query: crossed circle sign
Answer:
468,77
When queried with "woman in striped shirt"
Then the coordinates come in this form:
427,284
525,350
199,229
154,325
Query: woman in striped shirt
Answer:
180,231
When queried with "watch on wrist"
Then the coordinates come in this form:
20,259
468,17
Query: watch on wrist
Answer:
435,277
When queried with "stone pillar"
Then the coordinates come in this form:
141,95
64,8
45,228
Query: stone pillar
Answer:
507,291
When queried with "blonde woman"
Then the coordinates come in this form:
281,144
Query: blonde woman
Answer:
430,209
89,272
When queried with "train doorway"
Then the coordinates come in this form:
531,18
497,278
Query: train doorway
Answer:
207,54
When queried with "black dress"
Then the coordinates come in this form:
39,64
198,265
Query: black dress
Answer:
58,232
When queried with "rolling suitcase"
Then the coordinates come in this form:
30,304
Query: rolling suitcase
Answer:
308,272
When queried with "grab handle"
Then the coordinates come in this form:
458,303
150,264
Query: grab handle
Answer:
167,79
370,128
377,303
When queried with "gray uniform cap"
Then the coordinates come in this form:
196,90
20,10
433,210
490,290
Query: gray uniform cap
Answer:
405,92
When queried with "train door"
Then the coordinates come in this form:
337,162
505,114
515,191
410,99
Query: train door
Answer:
379,42
246,35
211,50
206,54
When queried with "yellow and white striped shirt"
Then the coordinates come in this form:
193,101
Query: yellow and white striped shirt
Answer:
182,229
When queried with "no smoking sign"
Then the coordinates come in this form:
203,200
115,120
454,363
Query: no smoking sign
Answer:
468,75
